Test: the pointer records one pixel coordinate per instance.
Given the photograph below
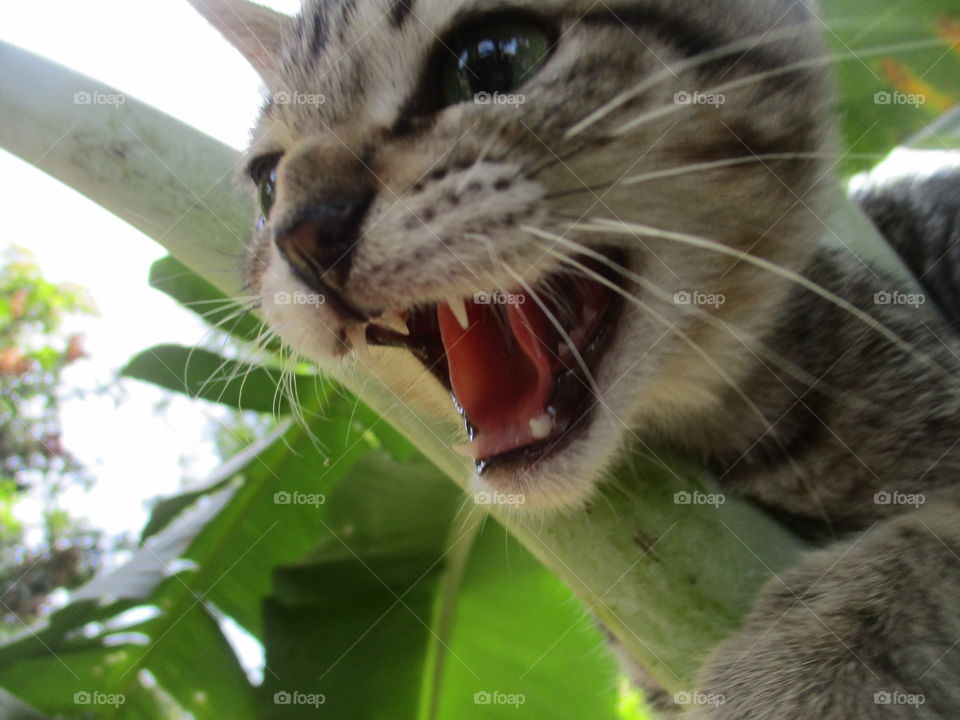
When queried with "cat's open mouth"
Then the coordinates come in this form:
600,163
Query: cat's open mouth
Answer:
518,364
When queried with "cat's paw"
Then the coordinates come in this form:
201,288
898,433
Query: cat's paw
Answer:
792,671
866,630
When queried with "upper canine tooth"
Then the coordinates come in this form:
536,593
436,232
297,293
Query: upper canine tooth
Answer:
458,306
393,321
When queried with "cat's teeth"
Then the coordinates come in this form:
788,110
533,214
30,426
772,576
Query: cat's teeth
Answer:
458,306
357,337
541,426
393,321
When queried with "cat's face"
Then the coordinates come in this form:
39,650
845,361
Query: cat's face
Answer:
394,195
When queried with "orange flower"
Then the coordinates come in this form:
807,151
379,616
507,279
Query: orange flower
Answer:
75,349
14,363
949,30
902,79
18,303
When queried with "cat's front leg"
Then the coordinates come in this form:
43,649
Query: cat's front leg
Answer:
868,628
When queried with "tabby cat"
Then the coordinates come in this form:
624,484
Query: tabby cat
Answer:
591,222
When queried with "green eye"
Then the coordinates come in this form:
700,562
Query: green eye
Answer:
492,57
263,172
267,190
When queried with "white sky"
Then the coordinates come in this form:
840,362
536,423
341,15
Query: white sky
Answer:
161,52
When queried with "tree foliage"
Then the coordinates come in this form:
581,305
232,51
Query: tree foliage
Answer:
34,351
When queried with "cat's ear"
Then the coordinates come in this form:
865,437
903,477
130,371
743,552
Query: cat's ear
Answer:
256,31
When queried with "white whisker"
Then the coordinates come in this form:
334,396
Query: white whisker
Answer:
748,80
605,225
750,341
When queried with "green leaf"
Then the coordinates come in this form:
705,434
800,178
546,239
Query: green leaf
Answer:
405,589
240,385
87,656
13,709
889,54
350,564
560,669
167,510
172,277
218,554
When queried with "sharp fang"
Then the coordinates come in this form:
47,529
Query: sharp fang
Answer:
541,426
393,321
357,336
458,306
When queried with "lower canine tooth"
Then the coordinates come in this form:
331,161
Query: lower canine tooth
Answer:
357,336
458,306
541,426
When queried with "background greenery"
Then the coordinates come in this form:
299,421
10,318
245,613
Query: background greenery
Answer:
34,351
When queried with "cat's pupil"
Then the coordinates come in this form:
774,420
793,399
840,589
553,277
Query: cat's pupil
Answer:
494,57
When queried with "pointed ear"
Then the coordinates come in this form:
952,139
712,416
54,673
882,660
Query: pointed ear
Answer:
256,31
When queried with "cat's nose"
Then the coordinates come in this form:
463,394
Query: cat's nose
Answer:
318,242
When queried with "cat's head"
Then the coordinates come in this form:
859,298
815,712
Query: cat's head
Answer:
510,200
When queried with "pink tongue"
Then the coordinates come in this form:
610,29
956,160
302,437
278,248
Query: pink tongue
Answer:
502,377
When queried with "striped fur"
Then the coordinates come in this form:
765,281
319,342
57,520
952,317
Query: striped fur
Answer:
789,396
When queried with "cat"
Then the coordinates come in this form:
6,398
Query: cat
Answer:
591,222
